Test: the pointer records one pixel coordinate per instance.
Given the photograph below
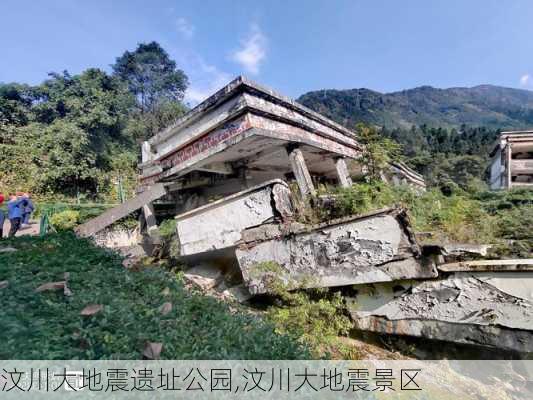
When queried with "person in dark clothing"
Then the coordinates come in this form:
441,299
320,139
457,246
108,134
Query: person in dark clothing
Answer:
2,216
14,213
27,210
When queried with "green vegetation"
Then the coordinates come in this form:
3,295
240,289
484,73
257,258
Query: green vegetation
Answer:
447,157
500,218
317,316
79,135
65,220
268,267
167,228
48,324
446,135
378,150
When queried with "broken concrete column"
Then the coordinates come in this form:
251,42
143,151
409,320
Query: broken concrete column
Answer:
146,152
299,168
151,223
342,172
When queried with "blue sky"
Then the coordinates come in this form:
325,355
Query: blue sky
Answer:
292,46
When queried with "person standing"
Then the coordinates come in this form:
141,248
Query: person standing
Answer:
2,216
14,213
27,210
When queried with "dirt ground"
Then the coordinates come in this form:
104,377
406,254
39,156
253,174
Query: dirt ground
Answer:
32,230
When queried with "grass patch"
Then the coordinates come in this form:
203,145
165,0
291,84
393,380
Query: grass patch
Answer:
48,325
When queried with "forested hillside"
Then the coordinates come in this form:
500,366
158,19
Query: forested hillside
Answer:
485,105
78,135
446,134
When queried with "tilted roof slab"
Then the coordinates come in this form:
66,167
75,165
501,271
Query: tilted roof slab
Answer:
240,110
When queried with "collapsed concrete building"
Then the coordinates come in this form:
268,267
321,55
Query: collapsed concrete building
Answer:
224,171
241,136
512,160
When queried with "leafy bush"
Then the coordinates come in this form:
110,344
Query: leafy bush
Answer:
48,325
65,220
167,228
316,316
363,197
85,212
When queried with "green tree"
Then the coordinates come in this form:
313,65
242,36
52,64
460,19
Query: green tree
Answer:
378,151
67,160
151,75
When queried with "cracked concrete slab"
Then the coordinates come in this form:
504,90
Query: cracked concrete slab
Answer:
218,225
463,308
373,248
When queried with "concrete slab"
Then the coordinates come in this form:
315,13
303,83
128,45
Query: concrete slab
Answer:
373,248
461,308
218,225
489,265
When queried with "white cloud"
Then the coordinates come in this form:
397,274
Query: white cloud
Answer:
206,81
525,79
252,51
185,27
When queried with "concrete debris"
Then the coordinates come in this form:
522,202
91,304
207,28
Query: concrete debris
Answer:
489,265
132,261
461,308
372,248
400,174
211,280
460,249
237,293
203,277
117,237
4,284
218,225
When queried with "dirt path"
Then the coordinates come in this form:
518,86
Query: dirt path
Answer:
32,230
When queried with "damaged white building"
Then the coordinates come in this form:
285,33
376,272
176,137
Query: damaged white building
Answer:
512,160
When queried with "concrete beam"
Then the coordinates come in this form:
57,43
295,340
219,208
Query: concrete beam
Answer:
489,265
114,214
342,172
217,167
301,173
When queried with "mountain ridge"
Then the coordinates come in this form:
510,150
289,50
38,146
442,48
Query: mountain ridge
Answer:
481,105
